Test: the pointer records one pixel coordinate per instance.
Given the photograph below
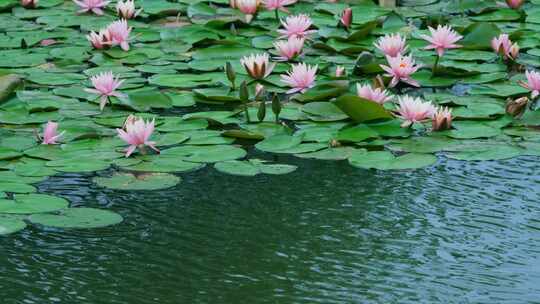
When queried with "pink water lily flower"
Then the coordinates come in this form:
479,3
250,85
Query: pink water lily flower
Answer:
248,7
126,9
442,119
515,4
346,17
289,49
119,34
99,40
414,110
377,95
96,6
441,39
258,66
392,45
105,85
278,4
137,134
505,47
300,78
50,133
400,69
296,26
29,3
533,83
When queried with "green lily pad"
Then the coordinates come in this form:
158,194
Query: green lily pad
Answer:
146,181
9,224
32,203
384,160
78,218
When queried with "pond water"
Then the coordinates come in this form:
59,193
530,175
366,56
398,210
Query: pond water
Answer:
458,232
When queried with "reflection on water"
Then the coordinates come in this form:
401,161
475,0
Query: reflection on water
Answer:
460,232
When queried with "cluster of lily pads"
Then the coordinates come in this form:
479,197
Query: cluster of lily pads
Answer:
87,86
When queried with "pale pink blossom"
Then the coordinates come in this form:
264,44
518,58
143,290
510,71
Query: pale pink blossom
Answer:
377,95
533,83
29,3
105,85
258,66
96,6
126,9
441,39
119,34
505,47
392,45
300,78
515,4
50,133
442,119
346,17
248,7
340,71
278,4
290,48
413,110
99,40
296,26
400,69
137,134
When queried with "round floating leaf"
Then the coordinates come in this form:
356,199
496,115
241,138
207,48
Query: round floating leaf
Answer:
206,154
32,203
16,187
236,167
360,109
146,181
10,224
384,160
492,152
278,143
78,218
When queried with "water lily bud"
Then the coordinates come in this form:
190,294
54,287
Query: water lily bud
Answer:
259,91
442,120
233,4
516,108
231,74
261,113
29,3
515,4
276,106
340,71
346,17
514,51
244,92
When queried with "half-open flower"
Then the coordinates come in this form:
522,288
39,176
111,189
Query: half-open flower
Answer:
290,48
137,134
377,95
105,85
505,47
119,34
392,45
248,7
442,119
29,3
95,6
296,26
278,4
300,78
533,83
400,69
50,133
99,40
258,66
126,9
413,110
441,39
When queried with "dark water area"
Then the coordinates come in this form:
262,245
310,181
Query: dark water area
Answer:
458,232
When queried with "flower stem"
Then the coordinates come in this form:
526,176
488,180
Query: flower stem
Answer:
276,11
435,67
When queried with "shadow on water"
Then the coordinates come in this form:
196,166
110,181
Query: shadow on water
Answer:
459,232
